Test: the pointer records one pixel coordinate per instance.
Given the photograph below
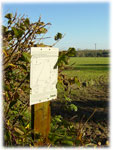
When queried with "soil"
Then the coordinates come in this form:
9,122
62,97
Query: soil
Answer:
92,115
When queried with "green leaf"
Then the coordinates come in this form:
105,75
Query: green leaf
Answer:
4,29
9,16
10,22
40,23
18,130
17,32
58,36
22,26
15,112
27,22
77,81
7,136
25,57
42,30
58,118
66,142
69,138
71,52
73,107
63,59
67,98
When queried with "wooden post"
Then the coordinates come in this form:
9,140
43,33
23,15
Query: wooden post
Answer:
40,121
43,80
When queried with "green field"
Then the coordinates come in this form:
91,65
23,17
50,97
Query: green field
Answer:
88,68
94,72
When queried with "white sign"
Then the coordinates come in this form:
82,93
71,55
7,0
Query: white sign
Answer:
43,76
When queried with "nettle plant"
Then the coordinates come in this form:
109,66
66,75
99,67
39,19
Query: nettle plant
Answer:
18,36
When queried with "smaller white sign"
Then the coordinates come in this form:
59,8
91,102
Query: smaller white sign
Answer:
43,76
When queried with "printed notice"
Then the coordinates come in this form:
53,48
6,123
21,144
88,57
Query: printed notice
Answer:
43,76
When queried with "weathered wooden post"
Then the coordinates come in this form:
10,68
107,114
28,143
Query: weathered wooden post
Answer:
43,80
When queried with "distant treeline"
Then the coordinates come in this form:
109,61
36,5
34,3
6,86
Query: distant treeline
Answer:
92,53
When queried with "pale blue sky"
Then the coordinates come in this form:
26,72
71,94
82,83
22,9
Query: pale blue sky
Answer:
83,23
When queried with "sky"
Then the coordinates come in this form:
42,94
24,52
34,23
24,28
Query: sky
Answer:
83,24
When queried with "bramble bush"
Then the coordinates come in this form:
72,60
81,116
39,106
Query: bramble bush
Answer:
18,36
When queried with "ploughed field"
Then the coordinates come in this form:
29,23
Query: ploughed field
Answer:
91,98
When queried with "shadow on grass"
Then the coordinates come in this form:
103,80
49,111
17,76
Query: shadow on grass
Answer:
89,67
104,65
85,108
